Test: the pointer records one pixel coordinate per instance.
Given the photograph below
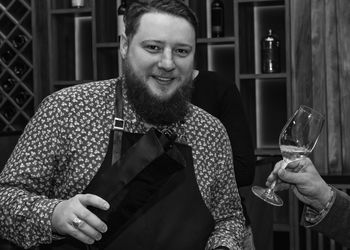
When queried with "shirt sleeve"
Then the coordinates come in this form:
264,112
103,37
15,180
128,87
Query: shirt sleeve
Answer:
226,204
336,222
25,209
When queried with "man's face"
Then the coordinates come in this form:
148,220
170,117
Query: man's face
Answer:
161,53
159,60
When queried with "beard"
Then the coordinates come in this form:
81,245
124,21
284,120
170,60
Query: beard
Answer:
151,108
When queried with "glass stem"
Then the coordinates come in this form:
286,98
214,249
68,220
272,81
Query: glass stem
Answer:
272,187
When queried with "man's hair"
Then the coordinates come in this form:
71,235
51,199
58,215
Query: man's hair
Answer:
137,8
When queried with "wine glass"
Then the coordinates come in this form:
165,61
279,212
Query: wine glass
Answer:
297,140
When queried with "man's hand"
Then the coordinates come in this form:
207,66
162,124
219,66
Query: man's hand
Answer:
307,184
71,217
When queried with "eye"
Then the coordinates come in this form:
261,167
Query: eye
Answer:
182,52
153,48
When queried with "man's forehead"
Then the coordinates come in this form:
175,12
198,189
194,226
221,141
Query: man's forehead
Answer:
157,25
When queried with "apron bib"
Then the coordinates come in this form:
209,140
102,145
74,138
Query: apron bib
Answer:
154,197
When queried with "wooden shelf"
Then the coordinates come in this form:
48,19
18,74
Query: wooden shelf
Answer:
263,76
108,45
267,152
71,11
216,40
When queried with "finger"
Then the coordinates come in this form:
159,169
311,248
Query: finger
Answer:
290,177
282,186
278,166
86,229
296,165
93,200
273,175
94,223
80,235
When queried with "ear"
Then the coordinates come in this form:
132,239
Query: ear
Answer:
123,45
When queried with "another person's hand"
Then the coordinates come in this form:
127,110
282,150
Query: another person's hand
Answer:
307,184
71,217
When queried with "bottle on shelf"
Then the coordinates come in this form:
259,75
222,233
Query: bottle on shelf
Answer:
217,18
8,84
8,112
120,13
270,53
21,98
19,69
7,56
78,3
19,41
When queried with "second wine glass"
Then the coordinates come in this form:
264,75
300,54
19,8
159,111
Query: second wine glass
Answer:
297,140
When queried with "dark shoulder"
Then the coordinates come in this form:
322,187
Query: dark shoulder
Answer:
211,79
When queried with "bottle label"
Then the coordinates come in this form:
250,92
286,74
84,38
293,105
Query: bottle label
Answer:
121,27
270,61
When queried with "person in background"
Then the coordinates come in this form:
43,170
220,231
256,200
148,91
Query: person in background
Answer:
127,163
327,209
221,98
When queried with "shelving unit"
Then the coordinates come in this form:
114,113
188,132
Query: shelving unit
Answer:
266,97
87,48
16,65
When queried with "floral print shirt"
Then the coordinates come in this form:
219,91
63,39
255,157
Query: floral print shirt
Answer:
64,144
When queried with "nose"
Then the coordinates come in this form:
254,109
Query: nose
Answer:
166,61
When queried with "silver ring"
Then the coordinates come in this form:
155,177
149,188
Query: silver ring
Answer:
77,222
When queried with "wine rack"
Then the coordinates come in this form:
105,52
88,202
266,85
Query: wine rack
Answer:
16,65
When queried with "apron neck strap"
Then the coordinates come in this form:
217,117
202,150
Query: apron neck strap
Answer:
118,125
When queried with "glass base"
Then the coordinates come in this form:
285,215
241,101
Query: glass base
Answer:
267,195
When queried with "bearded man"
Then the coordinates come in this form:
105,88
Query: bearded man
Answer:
127,163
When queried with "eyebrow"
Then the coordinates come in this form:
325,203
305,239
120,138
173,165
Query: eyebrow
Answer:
161,42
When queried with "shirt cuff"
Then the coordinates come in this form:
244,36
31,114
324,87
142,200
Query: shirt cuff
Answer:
313,217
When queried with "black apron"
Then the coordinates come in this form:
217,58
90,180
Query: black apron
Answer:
154,197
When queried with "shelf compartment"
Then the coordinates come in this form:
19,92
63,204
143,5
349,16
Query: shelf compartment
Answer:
203,11
7,24
67,4
255,19
265,104
18,10
72,47
106,21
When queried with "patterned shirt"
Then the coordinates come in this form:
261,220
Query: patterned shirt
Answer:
64,144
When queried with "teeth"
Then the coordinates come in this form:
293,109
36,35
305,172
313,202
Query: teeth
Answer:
163,78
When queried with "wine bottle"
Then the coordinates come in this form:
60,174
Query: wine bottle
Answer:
8,112
217,18
8,84
7,56
270,53
19,69
21,98
19,41
77,3
120,13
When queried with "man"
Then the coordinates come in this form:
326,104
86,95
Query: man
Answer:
69,179
327,209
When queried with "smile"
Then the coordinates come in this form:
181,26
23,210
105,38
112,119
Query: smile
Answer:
163,80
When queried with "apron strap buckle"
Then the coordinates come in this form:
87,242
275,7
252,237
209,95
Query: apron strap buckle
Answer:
118,124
